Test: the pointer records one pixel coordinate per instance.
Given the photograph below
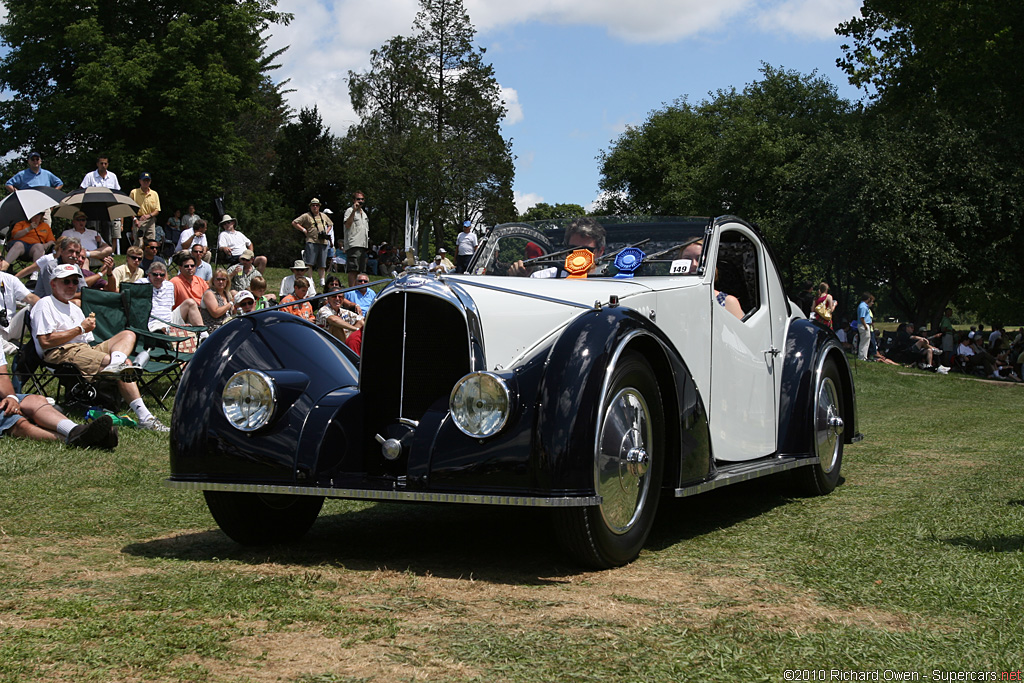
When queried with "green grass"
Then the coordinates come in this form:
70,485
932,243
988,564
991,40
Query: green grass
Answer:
913,563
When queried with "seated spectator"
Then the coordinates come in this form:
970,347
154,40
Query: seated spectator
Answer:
186,284
63,334
334,318
67,251
232,243
173,232
32,237
192,236
131,271
911,348
302,308
103,279
29,416
973,357
218,302
151,254
245,302
164,311
299,269
93,246
242,274
12,321
258,287
362,297
204,271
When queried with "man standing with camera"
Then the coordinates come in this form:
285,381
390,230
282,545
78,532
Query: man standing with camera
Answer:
318,229
357,237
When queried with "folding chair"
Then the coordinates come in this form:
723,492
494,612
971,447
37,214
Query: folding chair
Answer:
168,352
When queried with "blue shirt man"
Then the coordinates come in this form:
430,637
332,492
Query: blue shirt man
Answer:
363,296
33,176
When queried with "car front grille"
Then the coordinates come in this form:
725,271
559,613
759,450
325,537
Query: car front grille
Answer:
415,347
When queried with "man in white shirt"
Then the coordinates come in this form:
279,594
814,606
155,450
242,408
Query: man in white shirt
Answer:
12,321
101,177
192,236
465,247
93,245
232,243
63,334
299,269
164,311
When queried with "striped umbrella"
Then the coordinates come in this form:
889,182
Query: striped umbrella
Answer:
26,203
98,203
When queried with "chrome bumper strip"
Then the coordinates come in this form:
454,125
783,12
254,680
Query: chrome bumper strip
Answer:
401,496
733,474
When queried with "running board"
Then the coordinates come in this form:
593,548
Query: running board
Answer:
744,471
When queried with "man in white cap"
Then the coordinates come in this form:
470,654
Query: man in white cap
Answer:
63,334
299,269
232,243
319,232
465,246
244,302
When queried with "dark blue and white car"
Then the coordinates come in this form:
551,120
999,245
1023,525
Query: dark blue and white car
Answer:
592,395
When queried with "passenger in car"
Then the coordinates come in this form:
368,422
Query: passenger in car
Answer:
582,233
692,252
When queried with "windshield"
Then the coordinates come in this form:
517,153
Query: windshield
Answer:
616,246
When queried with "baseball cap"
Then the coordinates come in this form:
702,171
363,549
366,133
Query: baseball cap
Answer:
243,295
145,176
65,270
314,200
467,224
34,154
441,251
247,254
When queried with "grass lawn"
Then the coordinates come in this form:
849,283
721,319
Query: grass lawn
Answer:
913,564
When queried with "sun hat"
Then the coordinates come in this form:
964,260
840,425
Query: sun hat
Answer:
227,217
299,265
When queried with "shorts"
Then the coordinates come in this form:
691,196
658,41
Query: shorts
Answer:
355,260
315,255
160,325
88,359
7,422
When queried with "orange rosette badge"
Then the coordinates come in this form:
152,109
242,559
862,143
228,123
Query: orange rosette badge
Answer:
579,263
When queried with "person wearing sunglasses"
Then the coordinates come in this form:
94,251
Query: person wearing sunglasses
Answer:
62,333
93,245
131,270
186,284
164,311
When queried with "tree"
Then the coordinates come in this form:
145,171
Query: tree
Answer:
430,111
546,212
161,86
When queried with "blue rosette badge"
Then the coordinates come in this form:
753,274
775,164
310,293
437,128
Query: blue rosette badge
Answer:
627,261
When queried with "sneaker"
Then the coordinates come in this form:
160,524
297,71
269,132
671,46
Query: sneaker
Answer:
115,369
90,434
131,373
942,370
154,425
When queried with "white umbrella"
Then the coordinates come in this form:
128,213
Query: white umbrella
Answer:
26,203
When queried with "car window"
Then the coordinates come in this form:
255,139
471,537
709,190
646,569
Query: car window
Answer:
737,270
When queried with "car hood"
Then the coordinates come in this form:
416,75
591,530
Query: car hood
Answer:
517,315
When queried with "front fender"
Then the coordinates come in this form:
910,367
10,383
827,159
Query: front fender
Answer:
570,397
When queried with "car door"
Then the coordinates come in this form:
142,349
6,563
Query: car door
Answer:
743,405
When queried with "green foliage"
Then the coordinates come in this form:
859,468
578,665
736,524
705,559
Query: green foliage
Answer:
430,110
543,212
178,88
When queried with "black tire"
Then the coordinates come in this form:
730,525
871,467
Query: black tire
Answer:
826,435
263,518
628,471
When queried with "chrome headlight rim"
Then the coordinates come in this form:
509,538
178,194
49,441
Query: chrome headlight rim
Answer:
248,423
458,418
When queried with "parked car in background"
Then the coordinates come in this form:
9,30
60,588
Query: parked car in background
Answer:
664,361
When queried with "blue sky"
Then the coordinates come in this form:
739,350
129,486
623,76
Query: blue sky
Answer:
574,73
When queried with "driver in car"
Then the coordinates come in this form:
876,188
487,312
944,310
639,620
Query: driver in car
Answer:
582,233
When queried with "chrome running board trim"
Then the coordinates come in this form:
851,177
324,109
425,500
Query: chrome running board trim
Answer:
400,496
733,474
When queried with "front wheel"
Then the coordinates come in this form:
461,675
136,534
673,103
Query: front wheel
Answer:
263,518
628,465
827,435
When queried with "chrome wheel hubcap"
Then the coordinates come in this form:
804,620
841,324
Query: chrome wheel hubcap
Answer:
828,425
624,460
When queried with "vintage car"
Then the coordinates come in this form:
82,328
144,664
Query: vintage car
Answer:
633,358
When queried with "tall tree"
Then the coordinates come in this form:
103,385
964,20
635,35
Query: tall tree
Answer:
159,86
430,111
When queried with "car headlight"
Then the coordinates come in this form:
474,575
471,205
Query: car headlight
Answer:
480,404
249,399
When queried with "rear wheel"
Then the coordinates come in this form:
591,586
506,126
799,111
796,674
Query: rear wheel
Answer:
263,518
827,435
628,468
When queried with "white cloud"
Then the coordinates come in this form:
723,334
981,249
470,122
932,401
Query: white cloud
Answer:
514,110
643,21
808,18
524,200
